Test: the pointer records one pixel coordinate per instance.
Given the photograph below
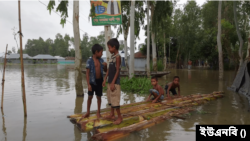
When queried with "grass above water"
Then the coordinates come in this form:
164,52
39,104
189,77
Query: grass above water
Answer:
139,85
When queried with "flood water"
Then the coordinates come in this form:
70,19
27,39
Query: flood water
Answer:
51,97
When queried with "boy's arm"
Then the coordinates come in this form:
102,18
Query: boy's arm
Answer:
148,99
170,85
87,77
118,63
179,91
104,80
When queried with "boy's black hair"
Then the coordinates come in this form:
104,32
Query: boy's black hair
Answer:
114,42
154,77
176,77
96,47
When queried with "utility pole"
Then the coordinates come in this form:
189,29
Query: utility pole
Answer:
132,39
107,32
21,59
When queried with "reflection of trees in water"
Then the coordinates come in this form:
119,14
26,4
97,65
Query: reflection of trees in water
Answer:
48,73
128,97
24,129
78,109
4,128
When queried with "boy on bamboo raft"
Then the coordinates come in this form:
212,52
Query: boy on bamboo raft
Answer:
94,76
157,92
113,74
172,86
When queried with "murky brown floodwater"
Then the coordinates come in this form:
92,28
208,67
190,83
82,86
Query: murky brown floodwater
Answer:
51,97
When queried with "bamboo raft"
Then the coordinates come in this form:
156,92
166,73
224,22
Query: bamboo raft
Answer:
139,73
140,115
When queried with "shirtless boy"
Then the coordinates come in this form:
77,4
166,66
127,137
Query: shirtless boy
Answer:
157,92
172,86
94,76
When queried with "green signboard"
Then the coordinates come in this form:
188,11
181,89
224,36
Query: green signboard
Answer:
107,12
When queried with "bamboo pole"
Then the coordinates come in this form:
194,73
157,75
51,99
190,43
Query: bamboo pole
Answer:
21,59
3,77
4,128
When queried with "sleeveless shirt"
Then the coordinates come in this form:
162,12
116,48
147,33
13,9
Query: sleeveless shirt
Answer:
112,70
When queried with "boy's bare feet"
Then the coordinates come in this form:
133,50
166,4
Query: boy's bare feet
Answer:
98,115
85,116
118,121
110,117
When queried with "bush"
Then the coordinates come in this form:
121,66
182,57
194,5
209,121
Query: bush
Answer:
139,85
160,65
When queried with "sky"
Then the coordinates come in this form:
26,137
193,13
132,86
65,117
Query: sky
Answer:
37,22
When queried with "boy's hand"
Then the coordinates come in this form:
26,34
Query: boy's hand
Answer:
154,101
112,87
104,66
89,88
104,83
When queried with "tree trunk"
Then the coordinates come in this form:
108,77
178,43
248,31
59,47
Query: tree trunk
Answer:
220,53
177,57
153,41
238,33
148,42
126,50
132,40
3,80
21,59
248,48
78,54
165,57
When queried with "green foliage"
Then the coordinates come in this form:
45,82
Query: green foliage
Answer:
160,65
139,85
60,46
62,8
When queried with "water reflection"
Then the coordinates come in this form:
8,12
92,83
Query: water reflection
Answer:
78,109
25,129
189,74
4,128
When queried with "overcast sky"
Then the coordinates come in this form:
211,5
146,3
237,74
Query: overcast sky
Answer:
37,22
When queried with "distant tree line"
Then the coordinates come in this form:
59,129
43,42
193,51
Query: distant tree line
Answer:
63,45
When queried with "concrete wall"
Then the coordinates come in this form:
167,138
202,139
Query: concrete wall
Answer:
139,63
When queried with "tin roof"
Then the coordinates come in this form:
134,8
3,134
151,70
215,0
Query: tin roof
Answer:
139,55
17,56
43,56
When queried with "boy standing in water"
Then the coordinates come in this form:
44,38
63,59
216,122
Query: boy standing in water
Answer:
157,91
172,86
113,74
94,77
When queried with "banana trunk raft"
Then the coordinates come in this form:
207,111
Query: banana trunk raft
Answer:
140,115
